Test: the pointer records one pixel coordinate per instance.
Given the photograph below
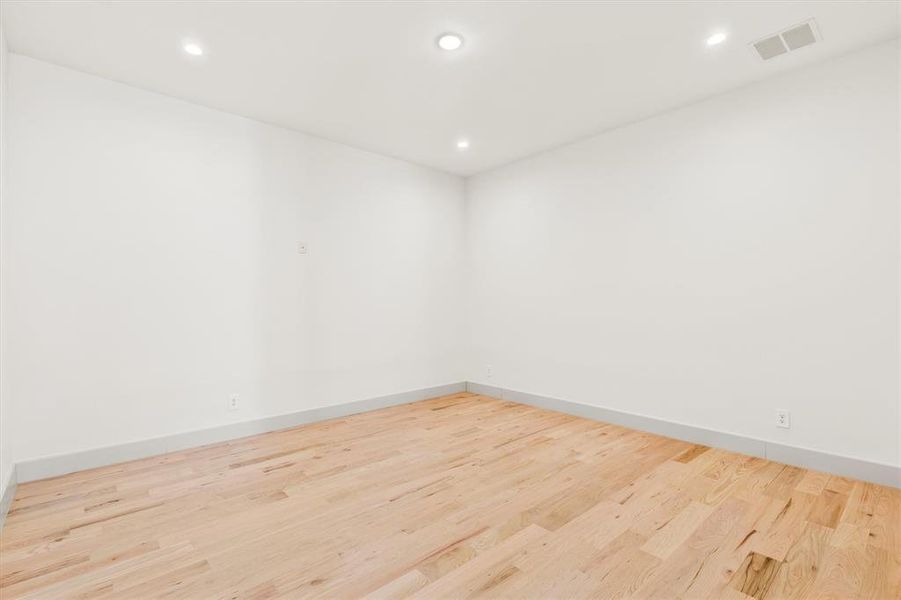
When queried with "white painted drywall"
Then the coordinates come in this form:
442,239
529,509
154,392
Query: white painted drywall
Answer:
706,266
898,174
710,265
6,454
153,267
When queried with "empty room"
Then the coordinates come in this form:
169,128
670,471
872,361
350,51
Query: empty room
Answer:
443,300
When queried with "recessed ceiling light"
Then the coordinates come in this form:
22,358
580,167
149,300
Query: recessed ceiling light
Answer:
462,144
450,41
193,49
716,38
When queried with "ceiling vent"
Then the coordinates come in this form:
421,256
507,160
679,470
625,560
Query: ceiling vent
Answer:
784,42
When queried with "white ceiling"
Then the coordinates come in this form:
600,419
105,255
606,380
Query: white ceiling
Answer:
530,76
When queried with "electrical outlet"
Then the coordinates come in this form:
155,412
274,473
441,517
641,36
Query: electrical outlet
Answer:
783,419
233,402
489,371
301,247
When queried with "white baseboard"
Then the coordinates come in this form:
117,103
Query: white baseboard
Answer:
836,464
52,466
9,492
61,464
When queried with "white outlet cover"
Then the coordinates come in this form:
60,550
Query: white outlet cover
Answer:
233,402
783,419
301,247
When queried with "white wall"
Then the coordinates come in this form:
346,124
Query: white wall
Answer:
898,175
706,266
710,265
153,268
6,455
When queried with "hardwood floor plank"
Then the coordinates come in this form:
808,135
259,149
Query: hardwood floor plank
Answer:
828,508
795,576
755,575
671,535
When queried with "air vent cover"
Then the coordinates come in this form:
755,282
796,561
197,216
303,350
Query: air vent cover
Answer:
793,38
770,47
799,37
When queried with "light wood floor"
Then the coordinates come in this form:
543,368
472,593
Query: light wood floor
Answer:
450,498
